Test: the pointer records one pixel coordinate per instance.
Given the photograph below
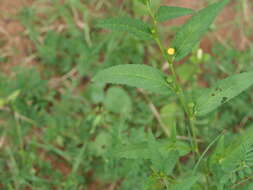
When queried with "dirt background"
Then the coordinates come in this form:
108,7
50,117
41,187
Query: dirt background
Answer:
15,45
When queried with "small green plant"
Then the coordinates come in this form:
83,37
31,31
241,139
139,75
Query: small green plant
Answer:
183,128
229,164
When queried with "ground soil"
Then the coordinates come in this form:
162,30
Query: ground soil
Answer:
225,29
15,45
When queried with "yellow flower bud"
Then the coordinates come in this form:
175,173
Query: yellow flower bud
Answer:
171,51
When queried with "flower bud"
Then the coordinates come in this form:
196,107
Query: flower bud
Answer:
171,51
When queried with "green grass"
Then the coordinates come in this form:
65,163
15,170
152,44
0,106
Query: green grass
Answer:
61,131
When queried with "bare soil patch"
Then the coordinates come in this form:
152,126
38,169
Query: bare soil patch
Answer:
14,44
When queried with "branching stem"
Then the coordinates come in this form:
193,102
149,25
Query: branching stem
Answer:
175,83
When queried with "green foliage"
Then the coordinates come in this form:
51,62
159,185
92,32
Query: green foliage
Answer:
61,130
190,33
223,91
162,159
144,1
140,76
165,13
169,114
186,72
185,183
61,52
12,97
232,163
126,24
118,101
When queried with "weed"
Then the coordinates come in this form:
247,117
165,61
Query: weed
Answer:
72,120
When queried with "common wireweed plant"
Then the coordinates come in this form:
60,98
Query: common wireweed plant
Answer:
227,166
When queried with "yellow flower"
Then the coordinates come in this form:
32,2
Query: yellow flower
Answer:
171,51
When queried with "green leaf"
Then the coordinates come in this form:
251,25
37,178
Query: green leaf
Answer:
96,92
137,75
133,151
126,24
162,160
223,91
185,184
101,143
139,8
238,151
169,116
165,13
182,147
190,33
186,72
144,2
13,96
118,101
233,157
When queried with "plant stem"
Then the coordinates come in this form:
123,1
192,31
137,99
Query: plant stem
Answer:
176,85
204,153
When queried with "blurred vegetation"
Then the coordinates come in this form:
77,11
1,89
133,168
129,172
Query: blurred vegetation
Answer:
59,130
